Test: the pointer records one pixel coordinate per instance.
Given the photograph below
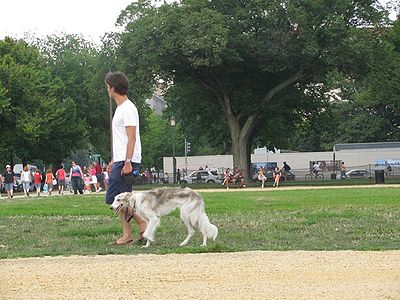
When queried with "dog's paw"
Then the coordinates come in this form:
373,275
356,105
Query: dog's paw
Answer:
203,245
147,244
183,244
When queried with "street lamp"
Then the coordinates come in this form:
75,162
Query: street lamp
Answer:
173,124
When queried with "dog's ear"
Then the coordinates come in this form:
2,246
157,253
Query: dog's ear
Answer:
125,196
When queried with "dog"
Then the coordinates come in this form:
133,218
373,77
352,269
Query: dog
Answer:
151,205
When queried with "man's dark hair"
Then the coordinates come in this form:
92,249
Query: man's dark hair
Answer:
118,81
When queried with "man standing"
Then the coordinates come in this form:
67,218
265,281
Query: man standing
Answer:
126,153
9,180
343,171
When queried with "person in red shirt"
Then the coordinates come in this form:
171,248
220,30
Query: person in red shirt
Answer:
99,175
49,180
38,181
60,175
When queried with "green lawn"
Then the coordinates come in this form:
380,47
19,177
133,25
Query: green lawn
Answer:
329,219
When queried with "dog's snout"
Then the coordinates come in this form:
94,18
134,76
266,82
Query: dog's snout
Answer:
111,207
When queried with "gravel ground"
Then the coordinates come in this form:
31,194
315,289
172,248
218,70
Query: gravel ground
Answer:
244,275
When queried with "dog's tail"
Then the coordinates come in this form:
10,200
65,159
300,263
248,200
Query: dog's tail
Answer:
204,224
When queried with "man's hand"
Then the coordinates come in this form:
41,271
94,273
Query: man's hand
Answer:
127,168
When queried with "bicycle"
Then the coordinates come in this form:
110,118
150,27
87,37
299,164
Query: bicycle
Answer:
313,176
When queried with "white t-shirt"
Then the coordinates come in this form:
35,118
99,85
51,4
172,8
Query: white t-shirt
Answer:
26,176
125,115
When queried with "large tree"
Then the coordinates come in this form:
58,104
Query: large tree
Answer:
36,123
251,56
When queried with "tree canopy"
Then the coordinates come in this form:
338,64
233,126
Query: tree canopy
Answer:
35,120
249,61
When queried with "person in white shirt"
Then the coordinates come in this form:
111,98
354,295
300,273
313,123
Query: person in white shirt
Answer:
126,153
26,179
316,168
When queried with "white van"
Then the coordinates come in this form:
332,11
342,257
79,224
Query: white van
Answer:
18,168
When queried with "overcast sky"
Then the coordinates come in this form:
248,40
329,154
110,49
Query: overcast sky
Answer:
91,18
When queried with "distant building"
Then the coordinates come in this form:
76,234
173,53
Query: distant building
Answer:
157,104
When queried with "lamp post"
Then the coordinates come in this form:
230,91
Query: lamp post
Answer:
173,124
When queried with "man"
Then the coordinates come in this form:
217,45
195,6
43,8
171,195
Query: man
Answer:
343,170
316,168
238,177
126,154
9,180
285,169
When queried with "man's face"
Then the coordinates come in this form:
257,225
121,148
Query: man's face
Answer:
110,90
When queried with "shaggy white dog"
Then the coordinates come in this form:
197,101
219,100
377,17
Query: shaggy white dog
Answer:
151,205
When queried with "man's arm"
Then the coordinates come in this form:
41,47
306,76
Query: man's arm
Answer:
131,133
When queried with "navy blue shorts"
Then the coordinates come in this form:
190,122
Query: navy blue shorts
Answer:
117,183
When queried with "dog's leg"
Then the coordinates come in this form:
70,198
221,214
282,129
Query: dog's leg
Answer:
147,244
148,234
204,241
190,229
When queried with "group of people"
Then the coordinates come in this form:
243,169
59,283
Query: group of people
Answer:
277,174
234,178
27,179
94,176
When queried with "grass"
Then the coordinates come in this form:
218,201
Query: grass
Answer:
330,219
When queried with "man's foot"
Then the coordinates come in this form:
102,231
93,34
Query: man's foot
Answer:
59,192
122,242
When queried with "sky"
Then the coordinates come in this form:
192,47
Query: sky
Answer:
91,18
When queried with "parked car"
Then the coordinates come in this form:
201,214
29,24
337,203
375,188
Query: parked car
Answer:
205,177
358,173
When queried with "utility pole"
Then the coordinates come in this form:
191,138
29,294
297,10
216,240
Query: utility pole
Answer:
186,163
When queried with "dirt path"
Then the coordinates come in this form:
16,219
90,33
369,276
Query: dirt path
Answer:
244,275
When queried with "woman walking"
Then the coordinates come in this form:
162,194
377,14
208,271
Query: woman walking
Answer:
76,177
26,179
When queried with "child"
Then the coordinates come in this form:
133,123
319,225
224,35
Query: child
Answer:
49,180
87,183
105,176
93,178
60,174
38,182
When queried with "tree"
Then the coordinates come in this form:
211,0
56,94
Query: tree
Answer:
365,109
251,56
35,122
75,61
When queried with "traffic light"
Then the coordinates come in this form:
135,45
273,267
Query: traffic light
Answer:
188,145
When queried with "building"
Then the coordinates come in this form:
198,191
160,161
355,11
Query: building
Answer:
356,156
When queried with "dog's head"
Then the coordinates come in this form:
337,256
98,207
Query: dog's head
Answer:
121,201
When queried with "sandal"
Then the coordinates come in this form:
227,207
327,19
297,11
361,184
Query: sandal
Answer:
116,243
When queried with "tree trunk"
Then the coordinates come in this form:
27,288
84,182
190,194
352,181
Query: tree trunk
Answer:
241,137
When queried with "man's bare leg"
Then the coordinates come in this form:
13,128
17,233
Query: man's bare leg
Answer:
126,226
126,229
